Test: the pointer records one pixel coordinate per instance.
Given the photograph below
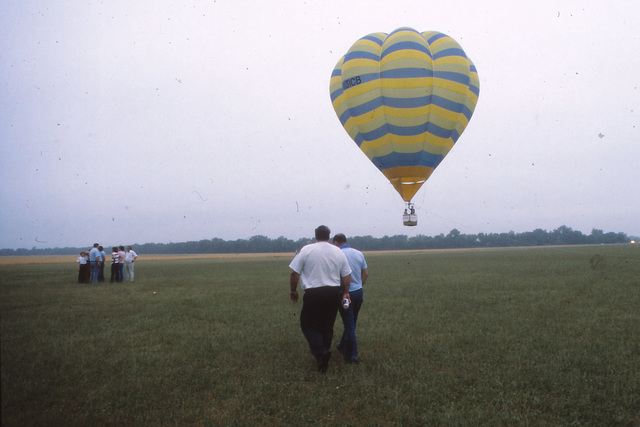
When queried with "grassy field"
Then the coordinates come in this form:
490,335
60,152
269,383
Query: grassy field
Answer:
537,336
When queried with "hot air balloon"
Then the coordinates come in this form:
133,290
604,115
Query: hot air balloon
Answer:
405,98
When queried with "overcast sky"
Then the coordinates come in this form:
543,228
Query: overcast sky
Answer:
128,122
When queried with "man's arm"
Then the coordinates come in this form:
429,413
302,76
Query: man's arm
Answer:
345,283
364,274
293,285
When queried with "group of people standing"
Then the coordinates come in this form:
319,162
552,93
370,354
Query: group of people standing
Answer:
332,277
91,264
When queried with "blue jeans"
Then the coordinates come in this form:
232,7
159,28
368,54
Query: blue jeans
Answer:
95,270
348,344
101,272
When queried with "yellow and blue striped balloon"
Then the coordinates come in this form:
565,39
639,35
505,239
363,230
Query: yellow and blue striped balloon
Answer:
405,98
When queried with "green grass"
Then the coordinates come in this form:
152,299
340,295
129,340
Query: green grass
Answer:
539,336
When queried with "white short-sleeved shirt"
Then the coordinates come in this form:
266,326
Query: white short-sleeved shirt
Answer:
130,256
320,264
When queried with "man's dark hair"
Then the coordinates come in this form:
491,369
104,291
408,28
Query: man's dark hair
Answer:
340,238
323,233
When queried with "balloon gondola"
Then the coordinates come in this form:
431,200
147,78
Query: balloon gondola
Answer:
405,98
409,218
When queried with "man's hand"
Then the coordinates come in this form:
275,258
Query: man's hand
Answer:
346,296
293,296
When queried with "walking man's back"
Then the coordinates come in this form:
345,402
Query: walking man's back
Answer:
324,272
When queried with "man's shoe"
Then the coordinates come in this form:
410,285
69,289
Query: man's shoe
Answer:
323,362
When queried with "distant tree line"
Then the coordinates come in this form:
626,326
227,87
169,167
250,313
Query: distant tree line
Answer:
261,244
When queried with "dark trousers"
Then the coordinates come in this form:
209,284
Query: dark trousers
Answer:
83,273
114,272
319,309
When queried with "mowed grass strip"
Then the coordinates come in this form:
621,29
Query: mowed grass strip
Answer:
538,336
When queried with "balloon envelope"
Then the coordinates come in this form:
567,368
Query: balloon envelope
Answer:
405,98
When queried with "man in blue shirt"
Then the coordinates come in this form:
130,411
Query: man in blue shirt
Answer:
348,345
94,259
103,256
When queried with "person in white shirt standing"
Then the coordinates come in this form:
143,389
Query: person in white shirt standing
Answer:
129,259
324,272
82,267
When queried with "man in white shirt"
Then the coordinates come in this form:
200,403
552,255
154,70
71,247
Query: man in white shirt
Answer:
324,272
129,259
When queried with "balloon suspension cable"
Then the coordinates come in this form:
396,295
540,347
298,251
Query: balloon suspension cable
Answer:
409,218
